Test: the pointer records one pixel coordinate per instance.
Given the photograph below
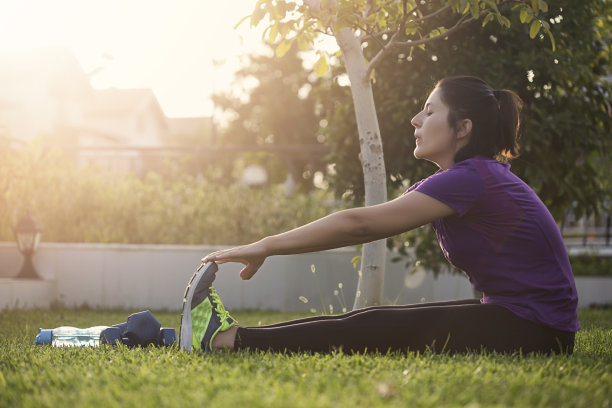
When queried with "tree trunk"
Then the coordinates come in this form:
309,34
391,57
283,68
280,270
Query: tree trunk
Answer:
371,279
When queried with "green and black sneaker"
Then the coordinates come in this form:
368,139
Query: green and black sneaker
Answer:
203,313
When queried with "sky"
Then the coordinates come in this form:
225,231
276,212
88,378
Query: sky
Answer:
184,50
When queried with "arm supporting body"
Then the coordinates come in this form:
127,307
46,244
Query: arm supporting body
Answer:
343,228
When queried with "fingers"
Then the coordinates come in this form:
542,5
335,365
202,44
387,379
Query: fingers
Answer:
247,272
239,254
218,257
250,256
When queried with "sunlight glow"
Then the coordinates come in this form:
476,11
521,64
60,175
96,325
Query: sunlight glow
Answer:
184,50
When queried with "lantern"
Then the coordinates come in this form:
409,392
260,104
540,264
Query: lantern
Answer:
28,236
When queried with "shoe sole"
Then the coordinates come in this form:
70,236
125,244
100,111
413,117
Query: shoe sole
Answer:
186,334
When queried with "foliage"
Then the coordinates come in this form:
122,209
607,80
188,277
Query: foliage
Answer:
591,265
278,110
35,376
94,205
391,24
565,110
566,123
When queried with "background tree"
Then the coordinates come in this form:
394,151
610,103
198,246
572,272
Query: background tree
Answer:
278,110
566,118
392,24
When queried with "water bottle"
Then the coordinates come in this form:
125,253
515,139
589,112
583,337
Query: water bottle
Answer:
140,329
73,336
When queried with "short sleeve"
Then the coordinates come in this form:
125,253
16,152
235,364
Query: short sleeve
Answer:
459,187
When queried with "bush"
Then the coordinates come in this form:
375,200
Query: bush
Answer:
591,265
91,204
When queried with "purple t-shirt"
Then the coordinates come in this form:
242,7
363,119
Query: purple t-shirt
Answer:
506,241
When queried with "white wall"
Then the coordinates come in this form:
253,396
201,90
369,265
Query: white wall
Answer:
155,276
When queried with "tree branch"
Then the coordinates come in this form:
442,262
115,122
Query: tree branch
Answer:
372,36
460,23
381,53
432,15
365,38
405,17
366,10
393,43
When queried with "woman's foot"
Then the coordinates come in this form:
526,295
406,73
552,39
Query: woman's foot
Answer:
203,315
209,319
196,292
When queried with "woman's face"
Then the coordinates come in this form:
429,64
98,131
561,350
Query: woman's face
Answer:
435,140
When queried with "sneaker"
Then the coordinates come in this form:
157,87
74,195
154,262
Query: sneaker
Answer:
204,304
209,318
197,290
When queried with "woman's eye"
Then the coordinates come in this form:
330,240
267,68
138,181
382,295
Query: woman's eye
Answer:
428,113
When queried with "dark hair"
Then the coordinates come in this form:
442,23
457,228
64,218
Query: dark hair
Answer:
494,115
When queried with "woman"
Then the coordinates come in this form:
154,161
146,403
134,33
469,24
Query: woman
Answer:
489,223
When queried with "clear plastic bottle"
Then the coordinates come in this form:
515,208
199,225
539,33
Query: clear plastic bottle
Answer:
70,336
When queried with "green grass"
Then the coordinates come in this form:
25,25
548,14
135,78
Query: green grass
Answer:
32,376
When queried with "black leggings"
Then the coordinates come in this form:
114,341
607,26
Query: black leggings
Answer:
454,327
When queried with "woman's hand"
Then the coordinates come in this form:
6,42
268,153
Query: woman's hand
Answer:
251,256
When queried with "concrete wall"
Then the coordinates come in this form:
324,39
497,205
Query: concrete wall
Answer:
155,276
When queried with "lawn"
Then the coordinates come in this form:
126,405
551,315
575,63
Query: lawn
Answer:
34,376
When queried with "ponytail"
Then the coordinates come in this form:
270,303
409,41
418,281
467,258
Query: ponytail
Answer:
494,115
508,124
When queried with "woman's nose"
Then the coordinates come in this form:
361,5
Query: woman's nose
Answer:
416,121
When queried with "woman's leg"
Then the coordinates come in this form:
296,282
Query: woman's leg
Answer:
440,328
351,313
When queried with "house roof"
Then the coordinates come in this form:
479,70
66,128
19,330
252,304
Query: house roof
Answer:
54,75
118,103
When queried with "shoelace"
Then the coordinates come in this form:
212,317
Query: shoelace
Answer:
221,312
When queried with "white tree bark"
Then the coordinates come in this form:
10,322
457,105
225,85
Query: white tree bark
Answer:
371,279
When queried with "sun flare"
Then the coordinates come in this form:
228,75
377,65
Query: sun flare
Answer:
183,50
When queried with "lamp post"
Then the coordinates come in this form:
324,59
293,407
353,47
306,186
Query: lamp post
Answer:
28,236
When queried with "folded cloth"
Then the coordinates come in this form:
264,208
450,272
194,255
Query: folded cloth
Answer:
140,329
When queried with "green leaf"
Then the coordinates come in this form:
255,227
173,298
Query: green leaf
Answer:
321,67
474,10
543,5
284,28
534,29
302,43
273,33
535,6
524,15
282,48
552,40
505,21
491,5
490,17
257,16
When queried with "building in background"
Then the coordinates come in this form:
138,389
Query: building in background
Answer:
44,92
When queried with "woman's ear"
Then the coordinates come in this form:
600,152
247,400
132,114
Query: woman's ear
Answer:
464,128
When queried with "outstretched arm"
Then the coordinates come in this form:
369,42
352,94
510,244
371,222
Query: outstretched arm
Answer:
342,228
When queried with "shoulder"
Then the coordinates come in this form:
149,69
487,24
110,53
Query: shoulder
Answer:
464,173
459,186
471,173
